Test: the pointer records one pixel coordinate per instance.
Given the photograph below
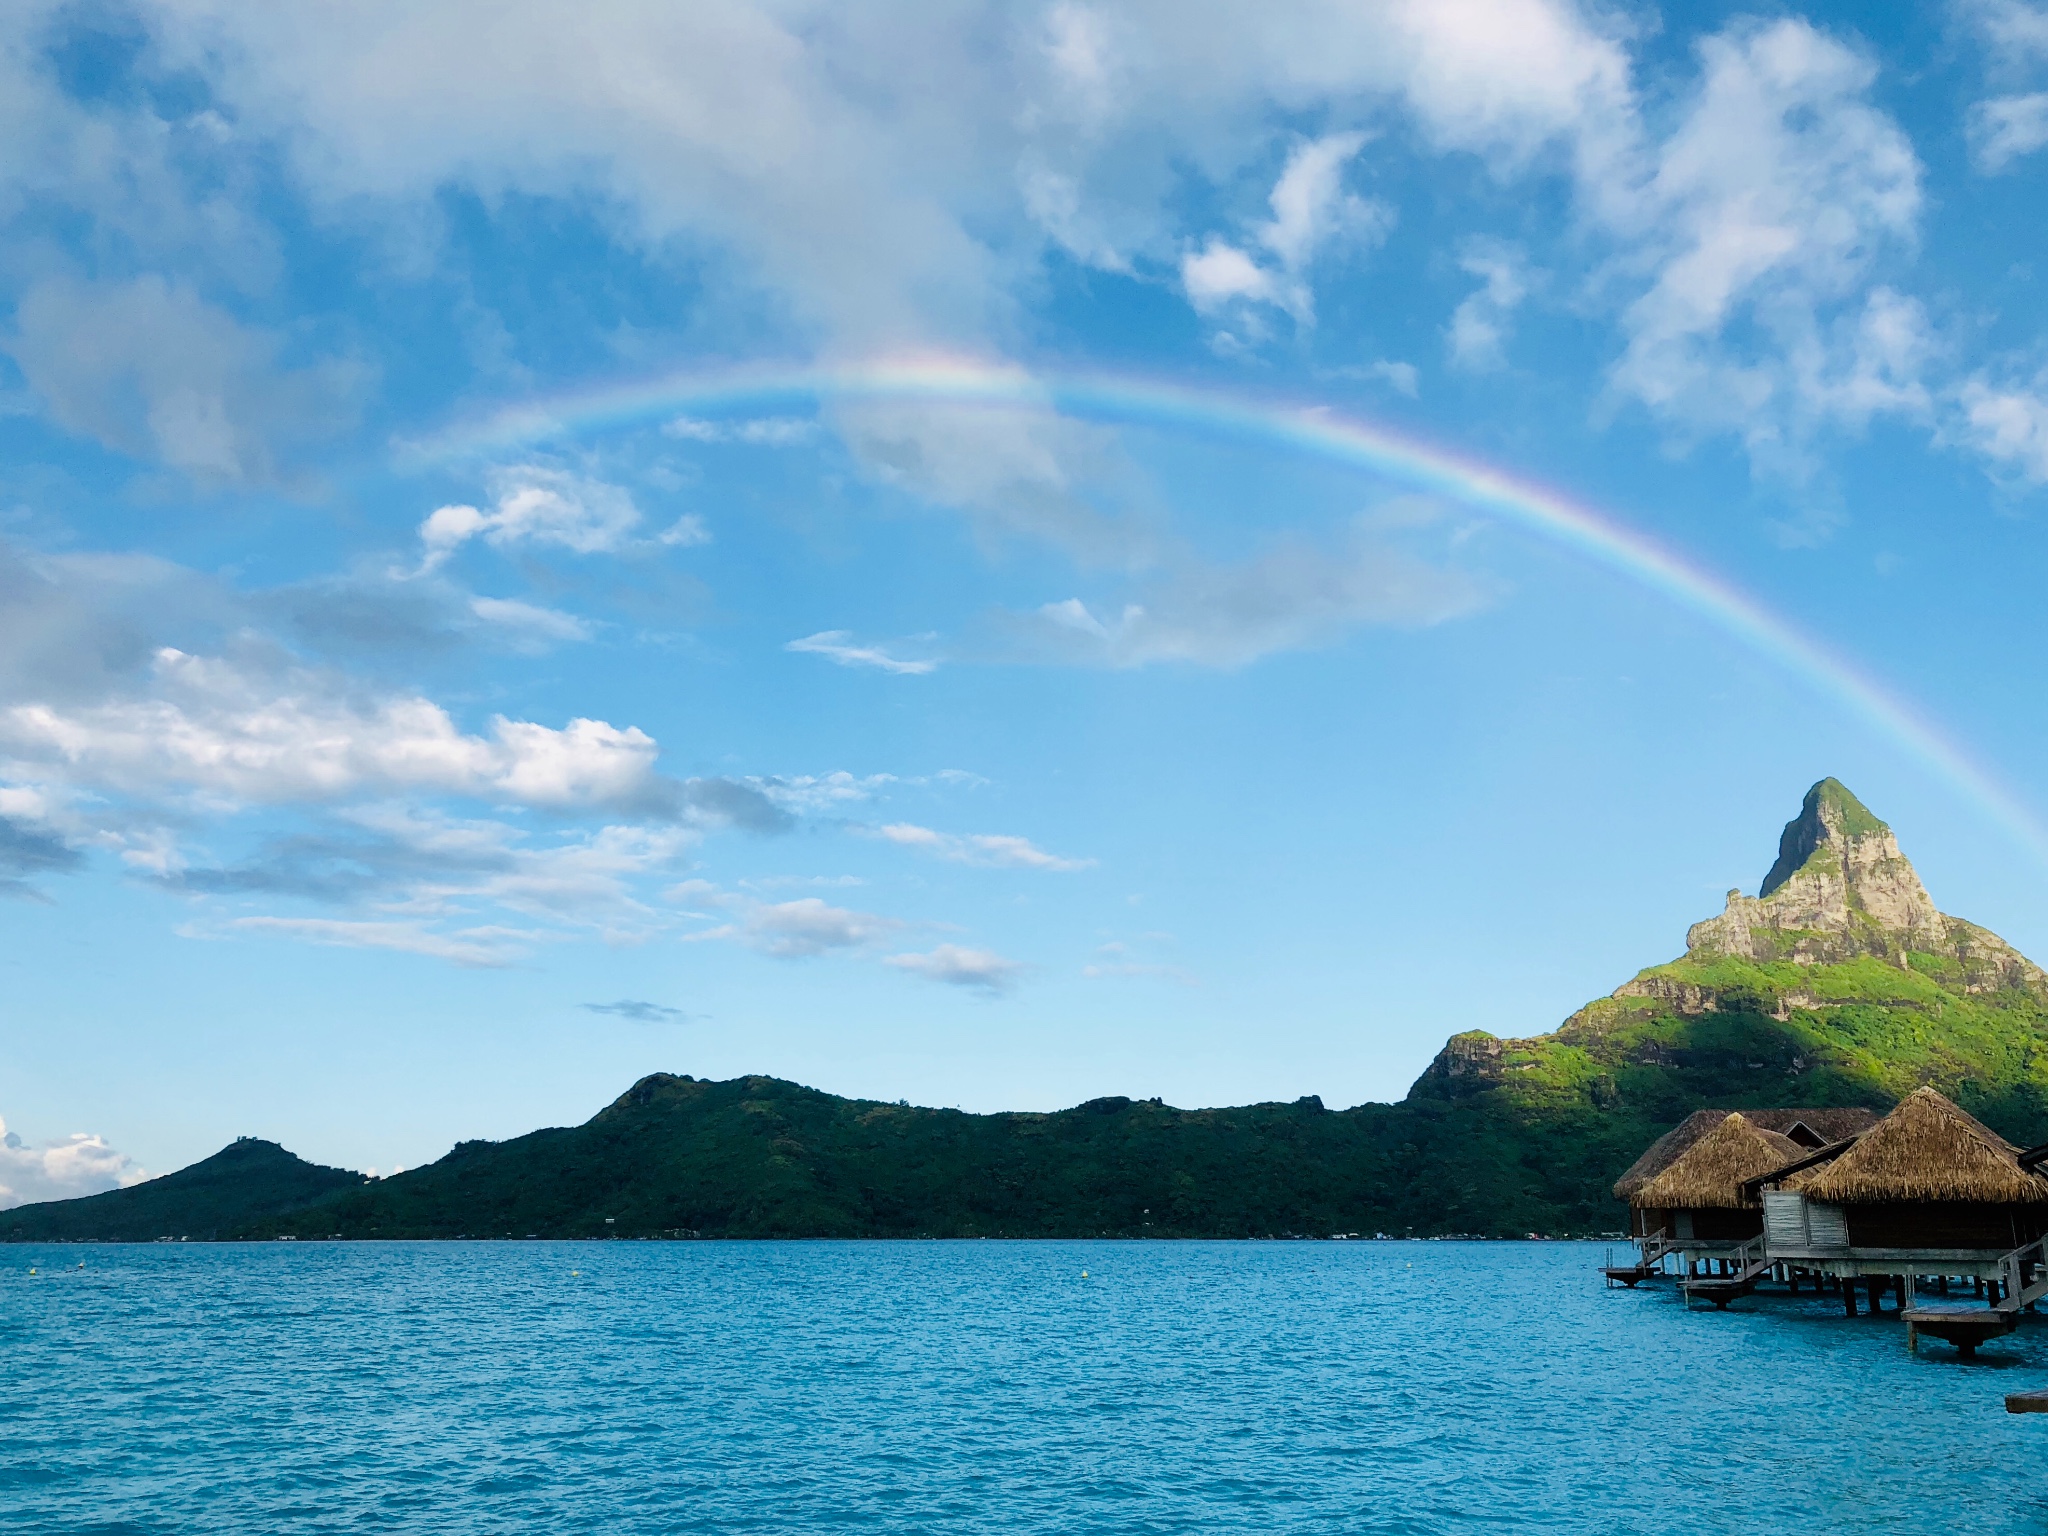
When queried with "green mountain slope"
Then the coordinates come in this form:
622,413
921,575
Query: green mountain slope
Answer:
759,1157
1839,984
220,1197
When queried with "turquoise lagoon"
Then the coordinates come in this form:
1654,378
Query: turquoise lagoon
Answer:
1014,1387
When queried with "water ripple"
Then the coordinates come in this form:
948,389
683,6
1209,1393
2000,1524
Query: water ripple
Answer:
777,1387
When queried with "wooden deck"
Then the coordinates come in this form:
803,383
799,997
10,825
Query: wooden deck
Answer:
1964,1327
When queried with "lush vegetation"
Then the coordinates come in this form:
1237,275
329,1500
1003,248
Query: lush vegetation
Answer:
759,1157
1498,1137
220,1197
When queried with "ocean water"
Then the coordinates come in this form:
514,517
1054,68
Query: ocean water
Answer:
1057,1387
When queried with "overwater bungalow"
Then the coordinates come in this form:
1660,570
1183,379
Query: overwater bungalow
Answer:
1701,1218
1927,1191
1699,1201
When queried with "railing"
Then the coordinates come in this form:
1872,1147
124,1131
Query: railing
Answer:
1749,1262
2012,1271
1656,1249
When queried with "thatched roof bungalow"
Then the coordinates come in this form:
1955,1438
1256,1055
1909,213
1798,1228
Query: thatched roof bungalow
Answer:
1700,1197
1927,1176
1805,1128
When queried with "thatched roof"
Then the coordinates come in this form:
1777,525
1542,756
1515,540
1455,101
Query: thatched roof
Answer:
1826,1125
1926,1149
1709,1174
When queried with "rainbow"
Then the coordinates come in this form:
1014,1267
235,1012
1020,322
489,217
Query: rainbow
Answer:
1313,430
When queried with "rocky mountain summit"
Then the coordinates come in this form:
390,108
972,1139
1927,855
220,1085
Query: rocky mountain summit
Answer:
1841,889
1839,982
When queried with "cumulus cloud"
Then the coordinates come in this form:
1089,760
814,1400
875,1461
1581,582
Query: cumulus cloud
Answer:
77,625
993,850
80,1164
1479,325
866,219
1122,102
978,969
1766,208
802,929
1310,208
1297,595
839,645
149,369
217,728
2005,128
686,532
535,504
2007,422
423,877
2015,27
1012,470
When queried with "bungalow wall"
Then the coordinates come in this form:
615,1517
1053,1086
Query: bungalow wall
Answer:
1713,1224
1942,1224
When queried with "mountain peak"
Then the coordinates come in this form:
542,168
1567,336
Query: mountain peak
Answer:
1841,889
1828,815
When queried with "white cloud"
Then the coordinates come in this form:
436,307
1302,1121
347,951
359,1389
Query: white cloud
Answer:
804,928
979,969
530,621
214,727
483,947
1157,88
1479,324
1220,272
1765,208
536,504
978,848
1013,470
686,532
1310,209
1295,596
2015,29
80,1164
426,876
150,369
2004,128
760,432
838,645
1402,376
2008,424
809,794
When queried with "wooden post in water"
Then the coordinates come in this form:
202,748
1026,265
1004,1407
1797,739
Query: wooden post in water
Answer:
1848,1297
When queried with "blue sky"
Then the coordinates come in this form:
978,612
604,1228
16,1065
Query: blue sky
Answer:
420,715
